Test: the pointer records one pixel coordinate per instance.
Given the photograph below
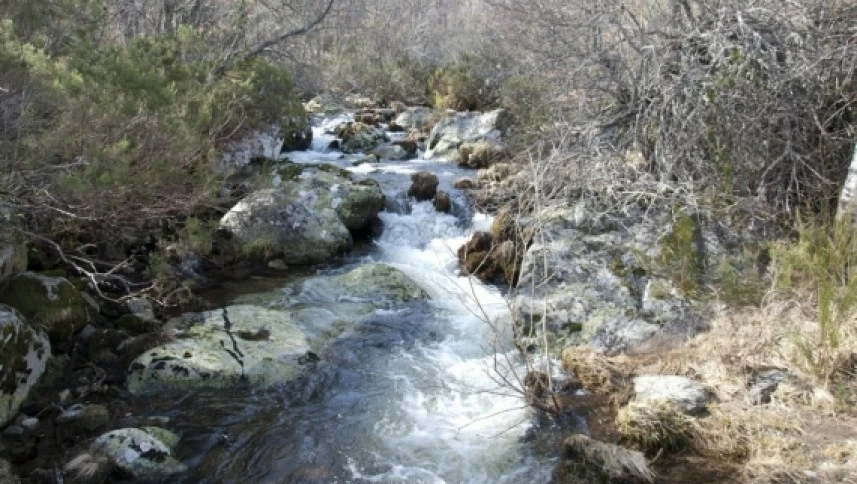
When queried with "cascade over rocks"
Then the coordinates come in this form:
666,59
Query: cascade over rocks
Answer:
466,129
307,219
24,352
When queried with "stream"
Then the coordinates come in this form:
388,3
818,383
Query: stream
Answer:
415,394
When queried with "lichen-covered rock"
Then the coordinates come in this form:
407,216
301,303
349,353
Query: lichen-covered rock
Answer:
51,303
601,289
307,219
687,395
221,348
139,453
24,352
379,284
257,144
296,131
465,129
358,137
423,185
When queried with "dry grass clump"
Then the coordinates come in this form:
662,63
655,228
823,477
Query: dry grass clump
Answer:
656,426
597,373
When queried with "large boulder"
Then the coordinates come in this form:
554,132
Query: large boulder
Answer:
458,130
142,454
597,283
222,348
24,353
307,218
50,303
256,144
359,137
413,118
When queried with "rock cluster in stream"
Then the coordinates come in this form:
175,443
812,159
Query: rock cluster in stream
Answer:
71,361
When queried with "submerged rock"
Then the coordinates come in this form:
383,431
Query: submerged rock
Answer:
51,303
589,460
24,352
457,130
308,218
82,418
423,185
140,453
221,348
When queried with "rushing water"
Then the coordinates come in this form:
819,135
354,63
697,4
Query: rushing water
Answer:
418,394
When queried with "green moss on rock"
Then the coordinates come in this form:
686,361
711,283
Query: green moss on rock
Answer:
51,303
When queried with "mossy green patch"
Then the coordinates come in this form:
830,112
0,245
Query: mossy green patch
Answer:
680,254
51,303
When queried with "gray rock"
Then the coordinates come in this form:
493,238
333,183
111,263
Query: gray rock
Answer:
423,185
689,396
139,453
266,143
456,129
24,353
221,348
30,424
51,303
82,418
391,152
141,308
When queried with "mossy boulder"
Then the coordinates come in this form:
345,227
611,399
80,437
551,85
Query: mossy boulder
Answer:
359,137
380,284
221,348
142,454
309,218
50,303
24,353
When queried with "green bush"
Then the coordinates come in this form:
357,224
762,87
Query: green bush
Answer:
823,262
112,144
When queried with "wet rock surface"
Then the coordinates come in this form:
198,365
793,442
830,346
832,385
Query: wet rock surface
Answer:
24,352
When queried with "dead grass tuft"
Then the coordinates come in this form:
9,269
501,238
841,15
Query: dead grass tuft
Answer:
656,426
